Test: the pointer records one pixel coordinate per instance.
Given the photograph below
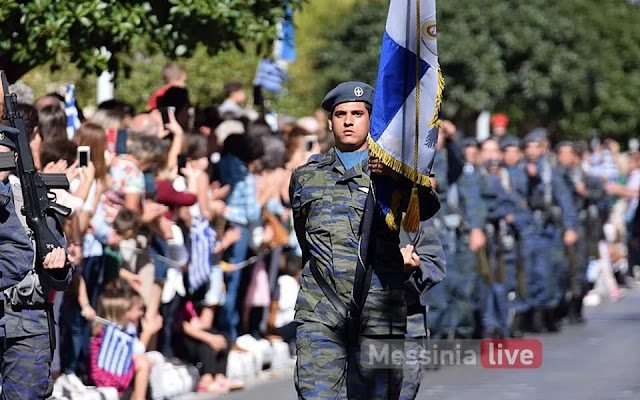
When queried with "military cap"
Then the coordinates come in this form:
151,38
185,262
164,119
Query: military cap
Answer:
6,132
509,141
469,142
536,135
347,92
565,143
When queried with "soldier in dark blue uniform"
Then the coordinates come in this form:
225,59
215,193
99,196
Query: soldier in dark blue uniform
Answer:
28,315
447,168
518,260
16,249
491,288
589,197
465,201
555,222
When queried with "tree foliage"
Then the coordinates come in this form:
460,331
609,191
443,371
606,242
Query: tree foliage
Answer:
35,32
572,65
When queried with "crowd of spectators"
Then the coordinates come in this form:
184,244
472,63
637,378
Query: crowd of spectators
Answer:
181,230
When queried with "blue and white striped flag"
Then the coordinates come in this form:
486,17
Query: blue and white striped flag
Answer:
116,350
285,45
270,76
203,239
393,120
73,120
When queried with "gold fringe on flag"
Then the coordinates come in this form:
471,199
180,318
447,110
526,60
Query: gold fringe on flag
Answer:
435,120
398,166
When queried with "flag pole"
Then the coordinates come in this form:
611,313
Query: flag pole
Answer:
411,220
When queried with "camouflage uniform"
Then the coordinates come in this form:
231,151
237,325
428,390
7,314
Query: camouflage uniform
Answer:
27,355
328,204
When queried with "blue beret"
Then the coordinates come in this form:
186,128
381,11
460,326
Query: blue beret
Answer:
509,141
536,135
347,92
6,134
469,142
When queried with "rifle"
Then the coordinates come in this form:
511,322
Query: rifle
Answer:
520,273
39,203
501,232
483,267
575,283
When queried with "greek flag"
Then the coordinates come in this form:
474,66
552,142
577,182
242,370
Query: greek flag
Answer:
270,76
393,121
73,121
285,45
116,350
203,238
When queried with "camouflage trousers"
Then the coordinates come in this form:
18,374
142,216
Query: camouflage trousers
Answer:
26,368
326,368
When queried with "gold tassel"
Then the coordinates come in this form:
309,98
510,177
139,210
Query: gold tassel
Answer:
411,220
393,216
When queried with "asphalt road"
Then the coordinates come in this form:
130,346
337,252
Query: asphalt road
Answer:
597,361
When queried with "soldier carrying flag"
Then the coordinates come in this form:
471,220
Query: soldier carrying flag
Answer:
356,271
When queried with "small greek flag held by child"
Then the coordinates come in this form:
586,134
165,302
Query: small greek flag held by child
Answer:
116,350
203,238
73,121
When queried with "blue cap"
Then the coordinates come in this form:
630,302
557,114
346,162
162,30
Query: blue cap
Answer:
6,133
469,142
348,92
509,141
536,135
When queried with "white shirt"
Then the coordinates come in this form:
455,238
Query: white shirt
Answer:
289,288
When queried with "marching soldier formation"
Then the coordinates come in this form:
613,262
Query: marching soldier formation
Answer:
518,225
515,226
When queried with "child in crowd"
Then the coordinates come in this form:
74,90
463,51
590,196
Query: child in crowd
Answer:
281,319
123,307
206,346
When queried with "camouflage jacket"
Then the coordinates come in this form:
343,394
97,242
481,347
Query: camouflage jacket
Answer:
328,205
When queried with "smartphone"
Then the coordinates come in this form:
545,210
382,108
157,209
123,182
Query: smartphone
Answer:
310,141
84,156
112,137
121,142
182,161
165,111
